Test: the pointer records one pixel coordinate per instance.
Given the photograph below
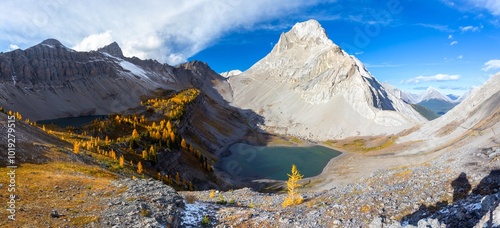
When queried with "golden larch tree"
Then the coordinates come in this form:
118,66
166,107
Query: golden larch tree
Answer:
178,178
139,168
169,126
292,184
76,147
172,136
122,161
135,134
183,144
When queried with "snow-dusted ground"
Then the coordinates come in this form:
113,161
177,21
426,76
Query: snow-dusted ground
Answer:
193,213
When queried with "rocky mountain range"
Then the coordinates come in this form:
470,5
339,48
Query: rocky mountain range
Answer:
49,80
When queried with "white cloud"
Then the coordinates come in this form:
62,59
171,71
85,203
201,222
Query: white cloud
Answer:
12,47
94,41
469,28
442,28
450,37
491,5
453,43
460,56
454,87
167,30
492,64
434,78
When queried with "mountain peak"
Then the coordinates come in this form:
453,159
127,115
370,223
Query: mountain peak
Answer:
308,34
430,88
112,49
433,94
310,30
52,42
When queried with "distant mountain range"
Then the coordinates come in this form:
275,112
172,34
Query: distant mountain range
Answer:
431,99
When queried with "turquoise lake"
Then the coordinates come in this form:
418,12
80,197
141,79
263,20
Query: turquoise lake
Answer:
275,162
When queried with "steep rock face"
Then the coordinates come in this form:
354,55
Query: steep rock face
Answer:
308,87
112,49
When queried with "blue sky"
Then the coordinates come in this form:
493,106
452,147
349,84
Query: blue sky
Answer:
419,44
448,44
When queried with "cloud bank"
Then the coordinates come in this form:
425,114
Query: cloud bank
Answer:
170,31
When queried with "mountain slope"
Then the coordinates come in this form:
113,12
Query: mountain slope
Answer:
308,87
425,112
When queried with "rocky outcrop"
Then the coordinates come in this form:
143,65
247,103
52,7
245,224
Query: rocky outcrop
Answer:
308,87
112,49
145,203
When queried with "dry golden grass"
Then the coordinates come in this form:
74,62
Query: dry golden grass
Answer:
405,174
364,144
448,129
75,190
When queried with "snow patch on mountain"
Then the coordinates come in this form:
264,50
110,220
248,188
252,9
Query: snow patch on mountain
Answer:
134,69
231,73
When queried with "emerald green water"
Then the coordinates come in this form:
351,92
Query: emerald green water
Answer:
276,162
71,121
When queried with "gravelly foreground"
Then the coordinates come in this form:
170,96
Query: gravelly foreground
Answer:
145,203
